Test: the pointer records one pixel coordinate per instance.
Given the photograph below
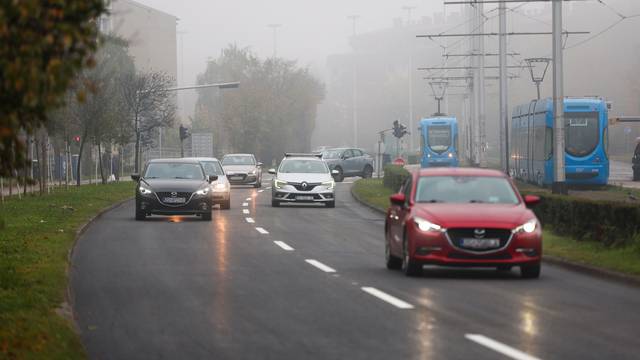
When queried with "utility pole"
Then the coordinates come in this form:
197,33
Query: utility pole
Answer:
482,115
504,99
275,27
409,9
559,184
353,19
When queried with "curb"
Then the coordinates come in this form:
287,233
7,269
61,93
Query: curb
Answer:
554,260
66,309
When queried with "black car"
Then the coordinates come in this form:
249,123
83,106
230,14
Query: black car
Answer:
173,187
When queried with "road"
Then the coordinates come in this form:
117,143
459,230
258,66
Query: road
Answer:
310,283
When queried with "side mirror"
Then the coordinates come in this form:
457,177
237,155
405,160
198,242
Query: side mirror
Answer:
531,200
398,199
212,178
135,177
259,164
335,172
272,171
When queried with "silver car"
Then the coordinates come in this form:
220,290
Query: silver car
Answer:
303,178
220,189
349,162
242,169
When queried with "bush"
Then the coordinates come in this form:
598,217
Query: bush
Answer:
611,223
394,176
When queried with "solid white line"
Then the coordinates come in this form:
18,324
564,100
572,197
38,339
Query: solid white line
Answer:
386,297
246,211
499,347
250,220
247,199
320,266
261,230
283,245
245,204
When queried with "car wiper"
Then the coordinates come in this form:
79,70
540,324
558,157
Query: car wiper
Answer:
476,201
183,178
150,177
432,201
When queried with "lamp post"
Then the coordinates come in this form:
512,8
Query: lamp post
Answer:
538,68
439,89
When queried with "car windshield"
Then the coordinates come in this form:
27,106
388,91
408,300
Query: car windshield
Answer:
174,171
439,137
238,160
303,166
331,154
465,189
212,168
581,132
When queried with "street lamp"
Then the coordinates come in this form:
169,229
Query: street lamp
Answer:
439,89
538,69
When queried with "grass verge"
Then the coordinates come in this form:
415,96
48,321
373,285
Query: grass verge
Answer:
620,259
37,235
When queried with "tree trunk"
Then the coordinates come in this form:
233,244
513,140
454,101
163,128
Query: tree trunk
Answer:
78,174
137,154
101,164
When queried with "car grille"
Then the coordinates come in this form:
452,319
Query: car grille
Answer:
236,177
167,194
463,256
456,237
300,187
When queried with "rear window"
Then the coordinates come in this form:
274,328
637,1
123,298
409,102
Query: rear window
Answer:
238,160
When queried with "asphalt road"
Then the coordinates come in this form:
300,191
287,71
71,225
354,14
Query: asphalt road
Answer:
310,283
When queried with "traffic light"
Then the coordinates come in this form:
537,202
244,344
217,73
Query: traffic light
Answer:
184,132
76,138
399,130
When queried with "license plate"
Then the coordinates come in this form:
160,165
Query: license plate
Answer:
174,200
235,178
304,198
481,243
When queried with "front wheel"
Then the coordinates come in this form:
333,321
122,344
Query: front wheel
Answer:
275,203
206,216
409,267
636,175
140,215
258,185
340,176
530,271
225,205
392,262
367,173
331,204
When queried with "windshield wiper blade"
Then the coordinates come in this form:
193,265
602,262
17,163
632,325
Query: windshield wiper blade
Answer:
432,201
183,178
476,201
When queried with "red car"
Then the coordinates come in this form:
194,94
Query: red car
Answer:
462,217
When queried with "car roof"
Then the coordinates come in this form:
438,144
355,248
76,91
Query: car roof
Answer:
175,160
313,158
203,158
460,171
238,155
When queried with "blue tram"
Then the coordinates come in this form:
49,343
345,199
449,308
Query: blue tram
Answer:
439,142
586,137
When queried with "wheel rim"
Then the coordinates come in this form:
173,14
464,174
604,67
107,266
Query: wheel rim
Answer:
387,251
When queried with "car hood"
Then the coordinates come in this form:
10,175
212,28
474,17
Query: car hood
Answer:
230,169
178,185
475,215
300,177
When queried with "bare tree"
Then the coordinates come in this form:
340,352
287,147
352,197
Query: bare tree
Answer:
150,105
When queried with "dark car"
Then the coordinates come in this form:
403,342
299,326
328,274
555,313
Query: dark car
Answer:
174,187
348,162
462,217
636,163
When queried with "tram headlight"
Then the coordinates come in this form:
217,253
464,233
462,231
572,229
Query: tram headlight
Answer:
450,155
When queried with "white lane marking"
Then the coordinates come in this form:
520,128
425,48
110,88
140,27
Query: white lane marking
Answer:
269,188
246,211
346,182
250,220
387,298
283,245
499,347
260,191
261,230
247,199
245,204
320,266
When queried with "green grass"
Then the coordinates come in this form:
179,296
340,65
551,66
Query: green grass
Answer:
34,242
621,259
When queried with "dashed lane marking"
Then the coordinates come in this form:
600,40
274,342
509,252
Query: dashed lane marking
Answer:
283,245
262,230
320,266
245,204
499,347
250,220
246,211
387,298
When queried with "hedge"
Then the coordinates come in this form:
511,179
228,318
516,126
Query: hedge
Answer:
394,176
611,223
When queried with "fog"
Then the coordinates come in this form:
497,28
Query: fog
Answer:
318,35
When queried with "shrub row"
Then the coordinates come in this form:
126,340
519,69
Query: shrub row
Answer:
394,176
611,223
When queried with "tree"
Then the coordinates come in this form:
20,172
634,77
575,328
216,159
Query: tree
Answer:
43,43
149,104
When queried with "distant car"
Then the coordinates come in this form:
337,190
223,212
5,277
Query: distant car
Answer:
303,178
462,217
349,162
243,169
220,189
636,163
173,187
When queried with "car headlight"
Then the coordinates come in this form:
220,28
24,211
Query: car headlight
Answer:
428,155
204,191
427,226
450,155
220,187
528,227
252,172
329,184
144,189
279,184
